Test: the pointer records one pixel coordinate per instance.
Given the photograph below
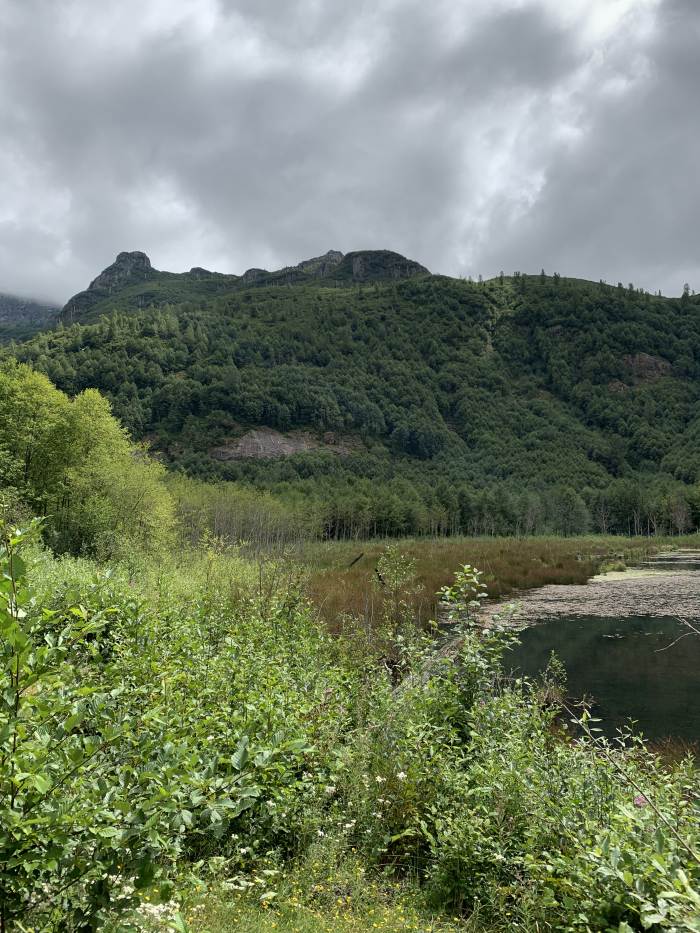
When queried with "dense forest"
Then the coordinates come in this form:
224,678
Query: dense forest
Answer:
519,405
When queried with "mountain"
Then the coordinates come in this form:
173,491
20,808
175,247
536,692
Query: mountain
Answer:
20,318
400,400
132,282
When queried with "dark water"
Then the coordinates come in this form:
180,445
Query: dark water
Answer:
617,663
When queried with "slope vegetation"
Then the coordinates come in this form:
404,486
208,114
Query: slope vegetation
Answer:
519,404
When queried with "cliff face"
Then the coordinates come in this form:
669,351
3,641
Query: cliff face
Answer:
322,265
377,265
371,265
127,269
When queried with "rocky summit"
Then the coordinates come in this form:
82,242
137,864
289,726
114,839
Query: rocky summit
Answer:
132,282
127,269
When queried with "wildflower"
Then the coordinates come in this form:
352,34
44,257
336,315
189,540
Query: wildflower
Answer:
640,800
320,833
330,789
402,775
379,779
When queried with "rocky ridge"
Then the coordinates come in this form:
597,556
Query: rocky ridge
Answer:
134,271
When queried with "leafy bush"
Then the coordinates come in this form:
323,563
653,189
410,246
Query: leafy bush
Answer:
132,738
479,787
82,819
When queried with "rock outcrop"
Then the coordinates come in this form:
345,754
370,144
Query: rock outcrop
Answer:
321,265
377,265
127,269
647,368
268,444
372,265
134,269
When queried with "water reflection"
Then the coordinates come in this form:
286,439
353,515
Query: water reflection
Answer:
617,662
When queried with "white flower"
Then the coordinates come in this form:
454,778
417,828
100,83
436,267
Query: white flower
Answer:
402,775
379,779
320,832
330,789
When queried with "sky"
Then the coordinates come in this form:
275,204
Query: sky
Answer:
473,136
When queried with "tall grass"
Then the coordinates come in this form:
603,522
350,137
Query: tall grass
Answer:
343,581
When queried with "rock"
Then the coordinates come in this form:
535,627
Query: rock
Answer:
130,269
363,266
647,368
268,444
377,265
250,276
321,265
127,269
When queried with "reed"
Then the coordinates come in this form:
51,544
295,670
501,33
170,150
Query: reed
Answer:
343,581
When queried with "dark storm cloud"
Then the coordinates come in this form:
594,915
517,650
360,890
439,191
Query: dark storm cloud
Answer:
471,136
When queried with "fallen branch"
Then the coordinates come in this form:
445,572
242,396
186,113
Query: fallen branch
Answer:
693,631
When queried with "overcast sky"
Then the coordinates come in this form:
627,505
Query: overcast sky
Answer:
470,135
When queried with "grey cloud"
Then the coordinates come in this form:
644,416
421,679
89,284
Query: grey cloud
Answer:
622,204
290,129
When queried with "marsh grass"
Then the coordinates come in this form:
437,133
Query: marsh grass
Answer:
674,750
343,581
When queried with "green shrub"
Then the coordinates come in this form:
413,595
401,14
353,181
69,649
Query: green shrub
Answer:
198,722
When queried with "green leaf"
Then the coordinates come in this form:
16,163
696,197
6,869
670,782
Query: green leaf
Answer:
178,922
239,759
41,782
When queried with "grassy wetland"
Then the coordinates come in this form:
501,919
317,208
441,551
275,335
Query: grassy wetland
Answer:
343,582
331,594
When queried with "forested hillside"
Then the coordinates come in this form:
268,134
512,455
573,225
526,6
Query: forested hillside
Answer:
404,402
